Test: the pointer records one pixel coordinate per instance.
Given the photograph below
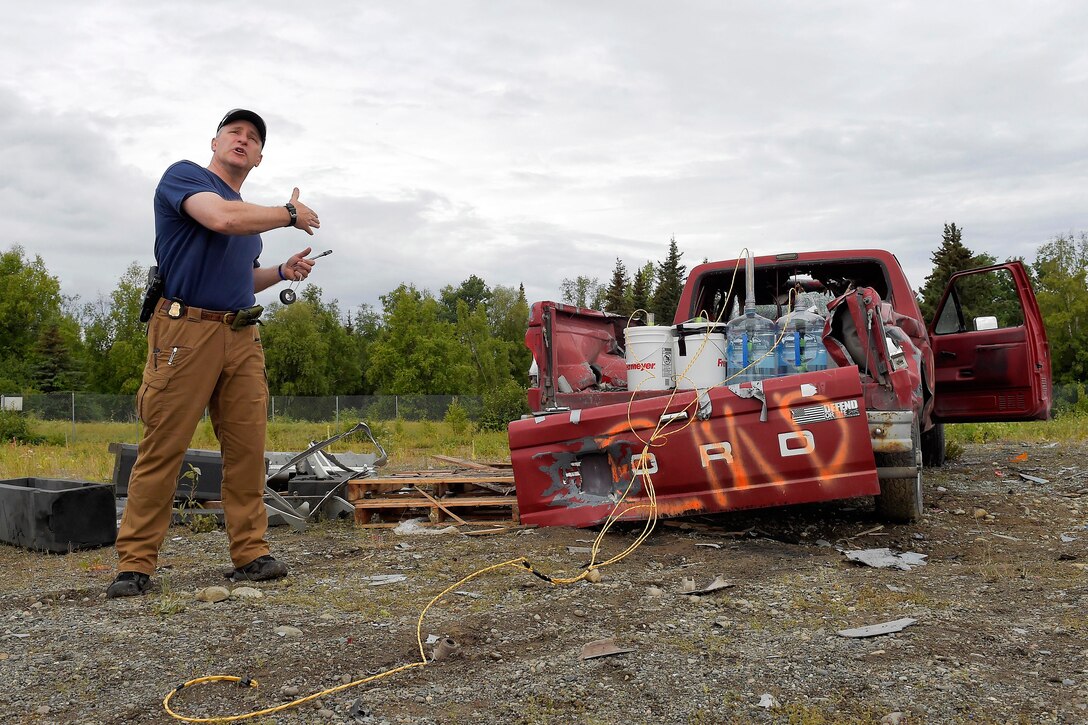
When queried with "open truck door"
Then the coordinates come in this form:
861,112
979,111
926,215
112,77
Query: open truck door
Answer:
991,357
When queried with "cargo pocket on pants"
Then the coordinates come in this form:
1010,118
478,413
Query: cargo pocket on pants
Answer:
153,383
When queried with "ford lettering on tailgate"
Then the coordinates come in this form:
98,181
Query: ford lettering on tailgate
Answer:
806,440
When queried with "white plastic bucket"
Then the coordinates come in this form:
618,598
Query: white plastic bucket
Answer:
649,356
700,355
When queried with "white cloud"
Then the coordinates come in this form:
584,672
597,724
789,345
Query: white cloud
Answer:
530,142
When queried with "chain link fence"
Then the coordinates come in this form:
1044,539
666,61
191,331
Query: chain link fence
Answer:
95,408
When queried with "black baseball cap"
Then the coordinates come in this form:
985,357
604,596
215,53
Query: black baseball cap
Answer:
241,114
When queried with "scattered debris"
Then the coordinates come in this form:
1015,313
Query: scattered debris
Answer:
444,648
377,580
1020,458
360,711
465,463
875,630
886,558
768,701
893,718
893,588
602,648
687,586
716,585
286,630
579,550
873,530
500,530
471,595
412,527
710,545
1034,479
1006,536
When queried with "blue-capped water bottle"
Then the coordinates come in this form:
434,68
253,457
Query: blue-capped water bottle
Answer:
750,347
802,347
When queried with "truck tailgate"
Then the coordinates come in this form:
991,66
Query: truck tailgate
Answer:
809,442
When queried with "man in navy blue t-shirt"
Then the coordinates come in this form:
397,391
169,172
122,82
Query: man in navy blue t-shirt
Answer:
207,246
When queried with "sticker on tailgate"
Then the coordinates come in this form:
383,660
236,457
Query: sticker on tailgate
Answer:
825,412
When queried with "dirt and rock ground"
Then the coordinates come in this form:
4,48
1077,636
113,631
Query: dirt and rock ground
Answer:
1000,610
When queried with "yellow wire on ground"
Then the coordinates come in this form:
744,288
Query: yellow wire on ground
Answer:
521,563
639,471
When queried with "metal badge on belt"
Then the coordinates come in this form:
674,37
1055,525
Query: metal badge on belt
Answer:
174,310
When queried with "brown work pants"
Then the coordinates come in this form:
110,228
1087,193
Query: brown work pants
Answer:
193,363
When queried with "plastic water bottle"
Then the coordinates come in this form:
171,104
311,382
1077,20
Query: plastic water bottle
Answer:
750,348
802,347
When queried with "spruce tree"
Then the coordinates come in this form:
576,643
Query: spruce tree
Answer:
615,298
951,257
641,291
670,284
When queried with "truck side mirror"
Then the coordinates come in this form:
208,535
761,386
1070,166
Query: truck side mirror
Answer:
985,323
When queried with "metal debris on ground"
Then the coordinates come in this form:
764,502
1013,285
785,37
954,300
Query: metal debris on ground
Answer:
413,527
444,648
1034,479
320,475
718,584
768,701
867,532
886,558
378,580
602,648
875,630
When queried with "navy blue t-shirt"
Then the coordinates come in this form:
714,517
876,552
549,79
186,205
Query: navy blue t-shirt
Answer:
202,268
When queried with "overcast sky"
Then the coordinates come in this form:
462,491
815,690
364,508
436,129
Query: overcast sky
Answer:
528,142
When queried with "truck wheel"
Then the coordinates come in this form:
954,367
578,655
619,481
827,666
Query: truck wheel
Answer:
933,446
900,499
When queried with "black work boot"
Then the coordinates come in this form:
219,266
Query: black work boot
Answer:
263,568
128,584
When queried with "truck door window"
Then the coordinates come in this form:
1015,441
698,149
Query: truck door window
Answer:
983,301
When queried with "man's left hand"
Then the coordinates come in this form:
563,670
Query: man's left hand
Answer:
298,267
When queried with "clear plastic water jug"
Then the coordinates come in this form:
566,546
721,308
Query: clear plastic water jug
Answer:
802,347
750,348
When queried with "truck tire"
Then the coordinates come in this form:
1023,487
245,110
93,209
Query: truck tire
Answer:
900,499
933,446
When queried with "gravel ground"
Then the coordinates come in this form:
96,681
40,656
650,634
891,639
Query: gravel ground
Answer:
999,608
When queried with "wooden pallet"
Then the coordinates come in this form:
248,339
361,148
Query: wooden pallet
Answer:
439,483
471,493
389,511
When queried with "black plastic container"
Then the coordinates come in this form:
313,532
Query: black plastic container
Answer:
204,487
57,515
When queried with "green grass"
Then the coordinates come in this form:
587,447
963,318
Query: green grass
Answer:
1068,427
83,453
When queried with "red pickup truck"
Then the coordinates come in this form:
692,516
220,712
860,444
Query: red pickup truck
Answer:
859,413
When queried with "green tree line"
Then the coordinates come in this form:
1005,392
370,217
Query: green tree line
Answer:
467,339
